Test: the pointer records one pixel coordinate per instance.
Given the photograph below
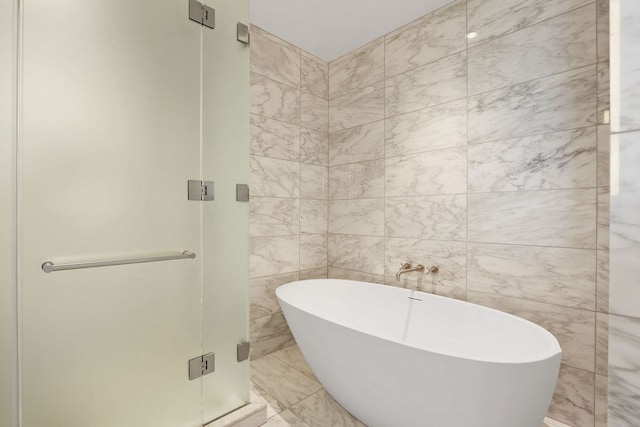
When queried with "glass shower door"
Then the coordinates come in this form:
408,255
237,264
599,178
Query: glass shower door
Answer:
111,132
225,160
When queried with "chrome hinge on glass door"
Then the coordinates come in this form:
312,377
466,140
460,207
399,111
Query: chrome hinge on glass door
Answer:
202,14
200,190
201,366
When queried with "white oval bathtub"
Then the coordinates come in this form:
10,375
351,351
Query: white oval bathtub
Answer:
397,358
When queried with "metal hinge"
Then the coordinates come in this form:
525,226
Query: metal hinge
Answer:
242,33
201,366
242,193
202,14
200,190
242,351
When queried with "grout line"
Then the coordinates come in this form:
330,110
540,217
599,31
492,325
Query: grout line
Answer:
384,165
621,132
473,193
276,81
548,76
417,67
466,255
531,25
530,135
328,173
527,245
300,174
597,215
536,301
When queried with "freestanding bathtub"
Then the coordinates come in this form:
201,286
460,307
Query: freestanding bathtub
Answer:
398,358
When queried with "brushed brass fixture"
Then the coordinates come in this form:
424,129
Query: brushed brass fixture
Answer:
407,267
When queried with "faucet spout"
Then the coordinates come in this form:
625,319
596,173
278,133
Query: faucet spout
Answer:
407,268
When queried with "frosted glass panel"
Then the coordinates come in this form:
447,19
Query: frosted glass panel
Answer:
111,136
225,161
6,240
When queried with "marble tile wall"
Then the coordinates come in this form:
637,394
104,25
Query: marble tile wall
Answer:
624,293
490,158
288,180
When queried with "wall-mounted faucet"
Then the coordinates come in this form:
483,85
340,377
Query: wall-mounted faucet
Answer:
407,268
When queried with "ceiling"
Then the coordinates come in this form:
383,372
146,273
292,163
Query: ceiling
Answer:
331,28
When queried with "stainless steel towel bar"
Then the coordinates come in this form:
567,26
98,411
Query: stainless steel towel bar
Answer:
49,267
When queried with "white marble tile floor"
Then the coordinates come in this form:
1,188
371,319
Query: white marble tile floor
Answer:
294,398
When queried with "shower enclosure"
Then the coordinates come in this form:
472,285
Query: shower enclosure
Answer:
117,106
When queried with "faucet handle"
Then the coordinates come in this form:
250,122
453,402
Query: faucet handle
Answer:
405,265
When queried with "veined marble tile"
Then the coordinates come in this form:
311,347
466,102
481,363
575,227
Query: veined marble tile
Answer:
604,148
285,419
313,216
357,144
258,395
356,108
268,334
602,396
435,83
554,275
604,93
357,216
273,177
272,138
357,69
278,61
602,300
430,217
427,284
341,273
274,99
603,218
574,328
315,112
493,18
559,102
624,371
427,39
573,402
262,293
557,160
315,273
292,356
625,65
602,343
313,251
357,253
603,29
548,422
357,180
273,255
314,147
559,44
286,384
565,218
433,172
314,181
270,216
320,409
625,225
315,75
433,128
450,257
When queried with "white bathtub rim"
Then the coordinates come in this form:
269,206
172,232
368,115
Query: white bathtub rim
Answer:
552,340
